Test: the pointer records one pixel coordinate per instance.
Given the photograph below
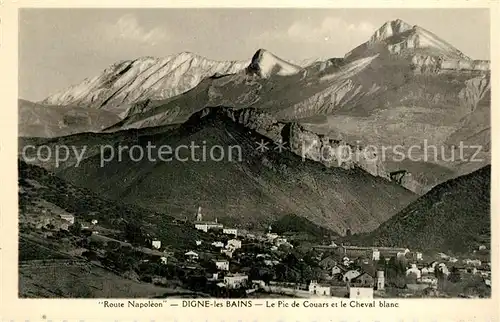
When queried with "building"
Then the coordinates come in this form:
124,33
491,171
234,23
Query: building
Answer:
280,241
164,260
258,284
156,244
355,251
363,280
482,247
233,244
380,281
350,274
213,277
270,262
431,280
361,292
328,263
397,252
205,226
227,252
375,253
442,268
68,217
218,244
235,280
443,256
192,255
475,262
414,270
417,256
339,269
94,221
271,236
222,264
318,289
230,231
198,242
199,216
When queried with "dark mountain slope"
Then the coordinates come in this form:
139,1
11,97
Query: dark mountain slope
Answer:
256,190
453,216
44,196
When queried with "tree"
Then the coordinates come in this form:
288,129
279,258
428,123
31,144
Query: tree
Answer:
455,275
96,244
76,228
281,271
113,245
411,278
90,255
133,233
123,259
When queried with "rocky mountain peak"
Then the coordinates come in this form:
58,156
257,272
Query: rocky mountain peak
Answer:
401,38
389,29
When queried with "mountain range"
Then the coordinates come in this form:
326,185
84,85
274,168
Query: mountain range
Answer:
404,87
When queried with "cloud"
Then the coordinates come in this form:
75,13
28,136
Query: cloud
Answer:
128,28
330,28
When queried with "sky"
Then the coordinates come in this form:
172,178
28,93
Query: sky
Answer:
62,47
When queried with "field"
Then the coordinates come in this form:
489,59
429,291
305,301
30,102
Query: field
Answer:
65,279
29,250
47,273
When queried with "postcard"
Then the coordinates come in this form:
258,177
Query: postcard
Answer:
246,161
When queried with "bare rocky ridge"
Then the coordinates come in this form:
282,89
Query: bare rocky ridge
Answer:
143,78
309,145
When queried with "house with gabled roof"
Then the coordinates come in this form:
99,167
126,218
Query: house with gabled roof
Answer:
339,269
363,280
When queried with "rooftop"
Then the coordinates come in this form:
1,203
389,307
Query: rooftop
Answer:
207,223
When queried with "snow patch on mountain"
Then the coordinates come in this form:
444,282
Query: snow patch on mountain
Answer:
266,64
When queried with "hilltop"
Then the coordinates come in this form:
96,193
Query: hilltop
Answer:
453,217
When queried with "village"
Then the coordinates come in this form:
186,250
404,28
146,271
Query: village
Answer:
231,262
